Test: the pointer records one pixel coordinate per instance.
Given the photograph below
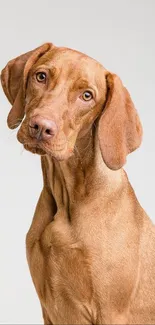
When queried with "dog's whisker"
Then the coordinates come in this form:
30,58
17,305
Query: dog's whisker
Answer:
11,133
22,150
79,156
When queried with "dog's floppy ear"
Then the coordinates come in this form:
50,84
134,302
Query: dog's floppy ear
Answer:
119,129
13,79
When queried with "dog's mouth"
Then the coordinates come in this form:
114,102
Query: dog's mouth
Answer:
34,149
57,151
60,148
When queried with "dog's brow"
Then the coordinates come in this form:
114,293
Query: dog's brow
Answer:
45,67
84,84
81,83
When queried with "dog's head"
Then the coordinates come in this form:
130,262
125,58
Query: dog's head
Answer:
61,92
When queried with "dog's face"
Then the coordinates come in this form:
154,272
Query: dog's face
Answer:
64,95
61,92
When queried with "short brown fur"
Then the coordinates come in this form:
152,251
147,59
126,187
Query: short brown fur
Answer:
91,246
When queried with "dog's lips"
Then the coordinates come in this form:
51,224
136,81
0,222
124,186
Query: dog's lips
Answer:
34,149
56,151
60,150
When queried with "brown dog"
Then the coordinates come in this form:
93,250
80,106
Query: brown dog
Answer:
91,247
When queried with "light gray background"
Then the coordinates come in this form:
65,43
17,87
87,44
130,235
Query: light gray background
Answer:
121,35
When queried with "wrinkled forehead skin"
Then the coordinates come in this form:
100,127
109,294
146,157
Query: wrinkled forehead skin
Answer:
73,67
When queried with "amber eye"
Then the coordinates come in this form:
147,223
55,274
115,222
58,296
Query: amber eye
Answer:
87,95
41,76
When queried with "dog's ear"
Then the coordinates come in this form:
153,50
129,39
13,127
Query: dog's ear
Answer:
119,129
13,79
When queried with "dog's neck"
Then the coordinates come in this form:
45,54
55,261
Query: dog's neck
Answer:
83,174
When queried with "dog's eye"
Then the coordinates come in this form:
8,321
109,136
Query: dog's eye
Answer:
87,95
41,76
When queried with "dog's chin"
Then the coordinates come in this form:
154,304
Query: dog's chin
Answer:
35,149
60,155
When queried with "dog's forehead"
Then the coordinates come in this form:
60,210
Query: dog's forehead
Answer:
71,59
72,62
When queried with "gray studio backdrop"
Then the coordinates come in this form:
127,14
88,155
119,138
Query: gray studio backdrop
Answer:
121,35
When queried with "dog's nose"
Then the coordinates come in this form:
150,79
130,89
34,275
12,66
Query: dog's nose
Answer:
42,128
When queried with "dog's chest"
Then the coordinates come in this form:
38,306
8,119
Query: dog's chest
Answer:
75,258
60,268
